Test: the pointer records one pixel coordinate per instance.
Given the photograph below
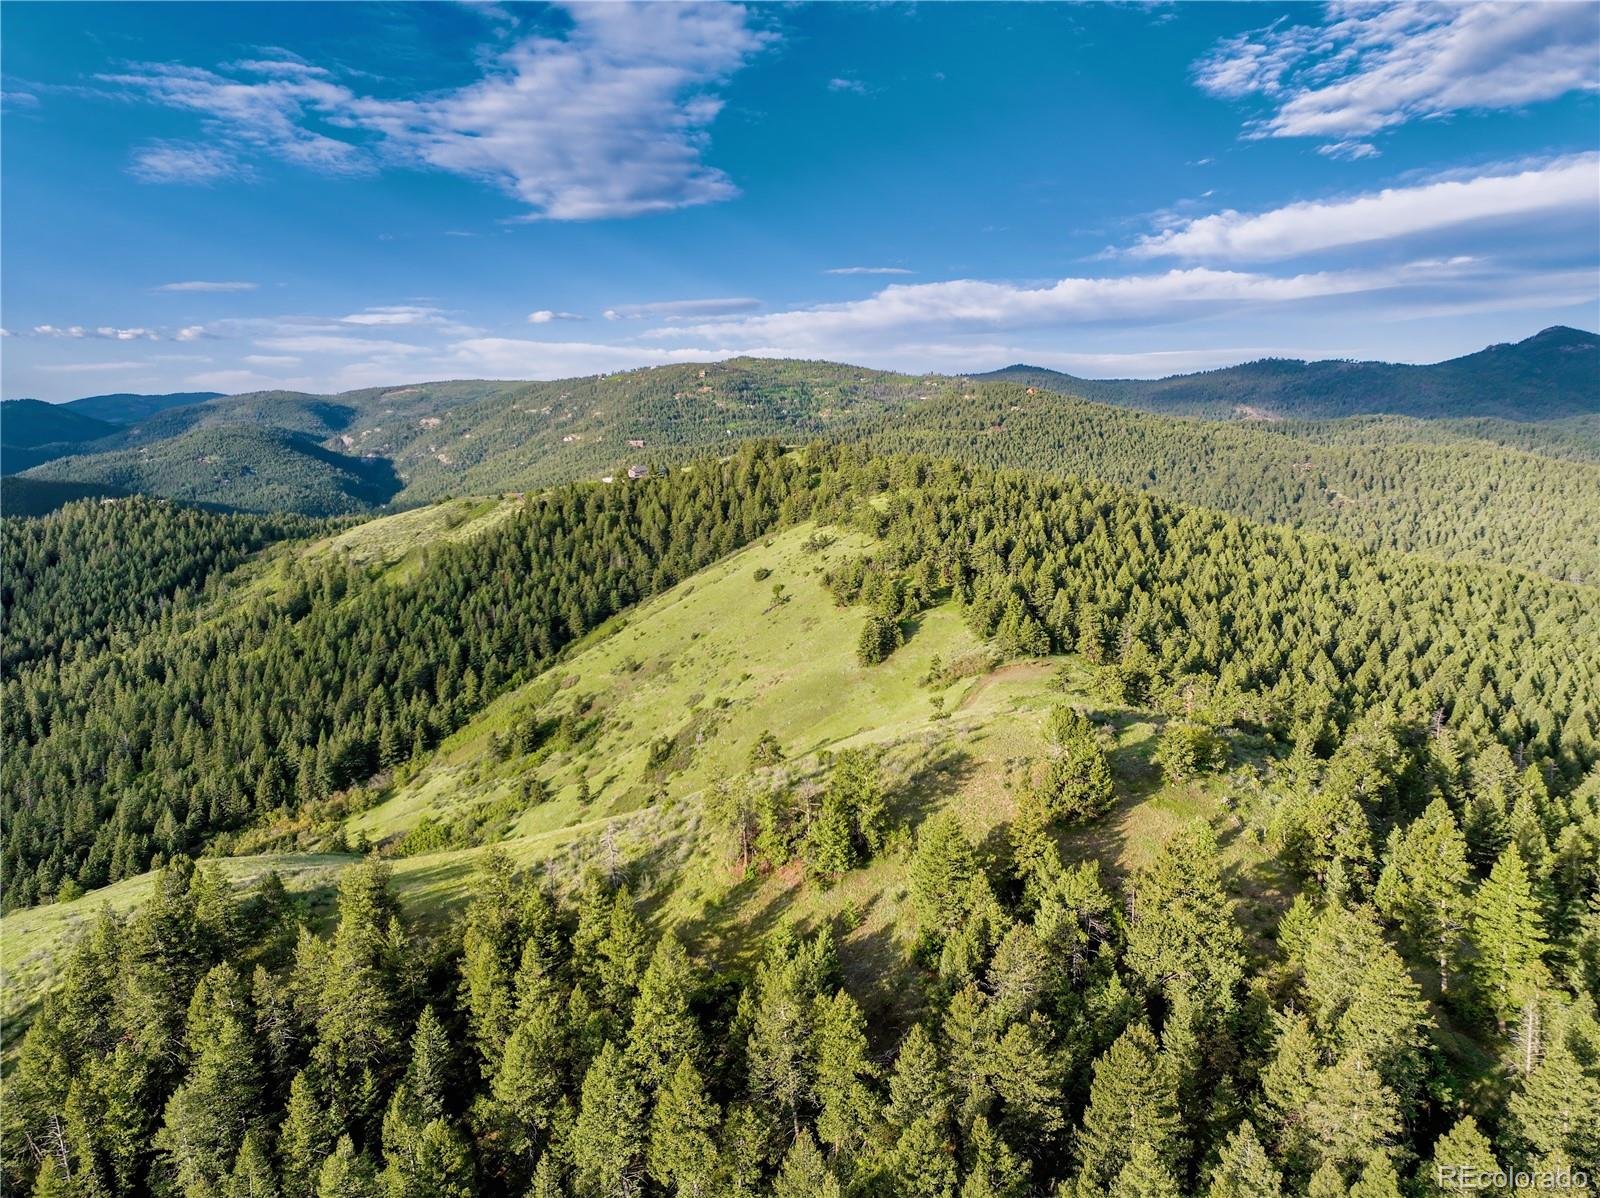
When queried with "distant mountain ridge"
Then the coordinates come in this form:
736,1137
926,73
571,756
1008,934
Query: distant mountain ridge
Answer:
125,407
1550,376
1258,440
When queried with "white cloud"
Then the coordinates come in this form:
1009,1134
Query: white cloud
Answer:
510,357
50,330
271,359
1349,150
237,381
89,367
609,121
683,309
113,334
968,305
181,162
321,343
546,315
191,332
1564,185
869,270
207,285
1372,67
400,314
847,85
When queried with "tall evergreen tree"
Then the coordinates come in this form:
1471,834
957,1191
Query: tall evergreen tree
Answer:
1243,1170
1508,935
608,1141
682,1153
1423,886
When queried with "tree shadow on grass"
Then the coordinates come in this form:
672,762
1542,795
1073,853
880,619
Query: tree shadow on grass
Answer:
936,777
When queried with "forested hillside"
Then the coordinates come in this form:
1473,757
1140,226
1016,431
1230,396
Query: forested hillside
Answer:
94,570
32,432
123,407
1480,489
243,466
966,833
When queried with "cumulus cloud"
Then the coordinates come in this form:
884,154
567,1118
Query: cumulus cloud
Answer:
103,332
1372,67
1564,185
682,309
206,285
610,120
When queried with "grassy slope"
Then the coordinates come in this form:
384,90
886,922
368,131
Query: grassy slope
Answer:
663,671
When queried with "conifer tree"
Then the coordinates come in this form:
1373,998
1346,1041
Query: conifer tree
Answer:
995,1170
1461,1149
1182,933
1352,1115
1508,935
348,1174
206,1117
252,1175
1378,1179
664,1029
1146,1175
921,1165
847,1106
305,1139
1553,1110
525,1091
1243,1170
940,873
777,1052
682,1152
608,1140
1131,1103
1289,1084
916,1084
805,1174
1423,886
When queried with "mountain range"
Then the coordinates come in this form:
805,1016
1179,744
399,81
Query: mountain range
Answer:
1493,456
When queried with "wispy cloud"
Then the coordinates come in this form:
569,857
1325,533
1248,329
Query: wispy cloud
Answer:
90,367
869,270
854,86
205,285
183,162
546,315
690,309
330,343
510,357
1372,67
964,306
1570,184
609,121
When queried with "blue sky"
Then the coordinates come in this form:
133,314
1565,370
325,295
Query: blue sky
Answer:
233,197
